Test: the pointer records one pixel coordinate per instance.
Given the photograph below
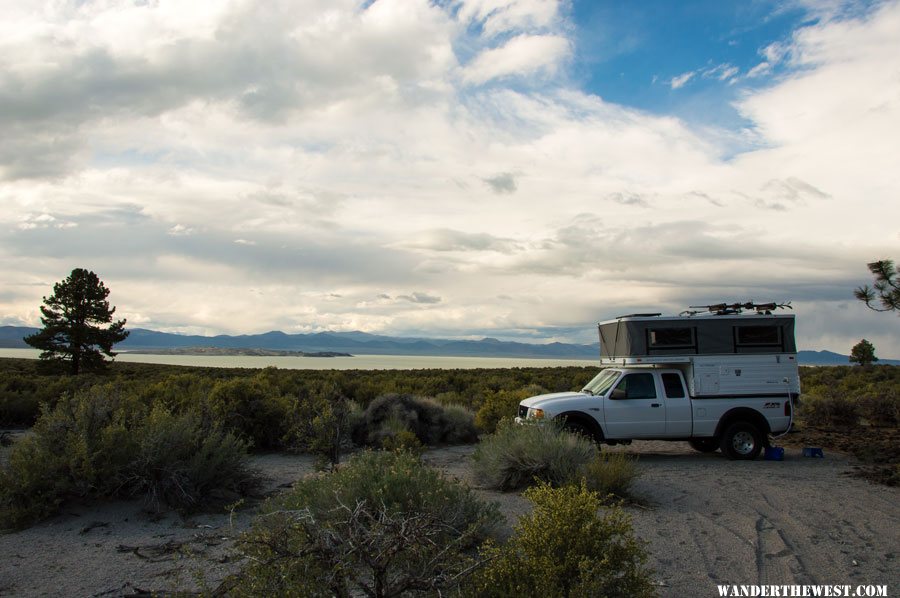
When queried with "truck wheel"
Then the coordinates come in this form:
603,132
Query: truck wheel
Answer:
704,445
742,440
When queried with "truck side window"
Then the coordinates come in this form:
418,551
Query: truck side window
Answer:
674,387
638,386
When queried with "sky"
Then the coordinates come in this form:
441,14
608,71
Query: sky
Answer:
517,169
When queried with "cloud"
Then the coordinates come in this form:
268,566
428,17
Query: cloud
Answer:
628,199
43,220
180,229
499,16
520,56
682,79
455,240
365,147
721,72
502,183
422,298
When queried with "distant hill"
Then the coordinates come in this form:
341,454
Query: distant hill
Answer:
362,343
11,336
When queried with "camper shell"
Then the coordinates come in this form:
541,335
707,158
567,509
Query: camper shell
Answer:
734,355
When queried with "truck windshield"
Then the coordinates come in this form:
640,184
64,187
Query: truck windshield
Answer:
601,382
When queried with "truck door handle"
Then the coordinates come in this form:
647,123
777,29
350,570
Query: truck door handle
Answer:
654,404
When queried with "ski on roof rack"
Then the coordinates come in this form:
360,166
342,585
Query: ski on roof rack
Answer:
721,309
638,316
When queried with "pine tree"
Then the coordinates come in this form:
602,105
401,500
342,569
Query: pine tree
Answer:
74,317
886,287
863,353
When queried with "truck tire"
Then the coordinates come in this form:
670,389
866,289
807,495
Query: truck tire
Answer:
742,440
704,445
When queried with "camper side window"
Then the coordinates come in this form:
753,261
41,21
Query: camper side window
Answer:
671,338
758,336
673,386
638,386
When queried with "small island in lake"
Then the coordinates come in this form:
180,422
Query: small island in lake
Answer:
227,351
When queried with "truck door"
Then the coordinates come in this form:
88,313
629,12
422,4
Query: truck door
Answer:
678,406
634,409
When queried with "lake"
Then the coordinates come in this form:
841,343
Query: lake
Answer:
357,362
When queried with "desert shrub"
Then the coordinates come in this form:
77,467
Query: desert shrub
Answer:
320,423
610,474
403,441
182,463
431,422
103,443
21,395
178,392
253,409
517,455
384,524
18,409
565,549
881,407
458,425
829,408
501,404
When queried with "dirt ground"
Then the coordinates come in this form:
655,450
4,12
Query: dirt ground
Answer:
707,521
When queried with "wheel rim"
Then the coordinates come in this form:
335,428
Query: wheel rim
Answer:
743,443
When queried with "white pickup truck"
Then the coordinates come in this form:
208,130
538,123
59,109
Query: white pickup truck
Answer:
719,382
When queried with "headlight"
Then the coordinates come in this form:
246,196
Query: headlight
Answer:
536,413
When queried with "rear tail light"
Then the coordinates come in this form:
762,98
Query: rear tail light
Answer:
787,408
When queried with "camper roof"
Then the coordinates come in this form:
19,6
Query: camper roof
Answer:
643,335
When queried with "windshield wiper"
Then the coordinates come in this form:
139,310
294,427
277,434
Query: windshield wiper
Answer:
586,391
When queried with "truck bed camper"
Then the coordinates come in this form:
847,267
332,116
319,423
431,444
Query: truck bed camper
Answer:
722,378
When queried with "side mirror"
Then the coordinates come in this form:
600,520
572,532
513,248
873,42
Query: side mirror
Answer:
617,394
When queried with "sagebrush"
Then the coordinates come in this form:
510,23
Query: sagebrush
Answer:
565,548
103,443
431,422
518,455
384,524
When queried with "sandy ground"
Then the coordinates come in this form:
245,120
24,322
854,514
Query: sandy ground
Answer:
707,521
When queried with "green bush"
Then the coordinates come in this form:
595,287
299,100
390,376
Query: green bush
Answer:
384,524
517,455
501,404
253,409
431,422
103,443
881,407
829,408
610,474
403,441
320,424
182,463
565,549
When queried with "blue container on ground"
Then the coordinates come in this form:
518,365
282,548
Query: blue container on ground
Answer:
774,453
813,451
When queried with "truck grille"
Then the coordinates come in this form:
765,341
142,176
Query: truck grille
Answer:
523,411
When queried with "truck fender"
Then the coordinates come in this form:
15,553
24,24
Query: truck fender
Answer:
746,414
584,419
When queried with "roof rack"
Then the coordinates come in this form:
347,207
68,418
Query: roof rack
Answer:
638,316
721,309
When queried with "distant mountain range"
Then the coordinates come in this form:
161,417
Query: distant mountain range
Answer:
362,343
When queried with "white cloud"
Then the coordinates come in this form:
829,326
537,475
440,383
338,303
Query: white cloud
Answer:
681,80
721,72
499,16
520,56
384,188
